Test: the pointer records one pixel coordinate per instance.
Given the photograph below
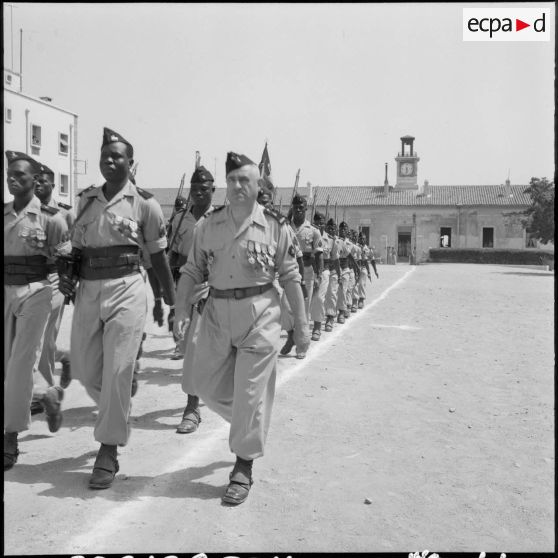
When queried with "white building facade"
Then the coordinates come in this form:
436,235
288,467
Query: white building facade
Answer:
44,131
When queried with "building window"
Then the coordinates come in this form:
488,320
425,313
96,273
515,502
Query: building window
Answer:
64,184
8,79
8,114
35,135
488,237
63,144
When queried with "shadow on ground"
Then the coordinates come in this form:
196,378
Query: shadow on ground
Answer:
68,477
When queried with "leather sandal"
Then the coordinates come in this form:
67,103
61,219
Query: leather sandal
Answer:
238,489
190,421
105,469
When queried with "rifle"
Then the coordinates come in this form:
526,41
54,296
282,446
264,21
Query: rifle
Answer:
198,159
336,214
314,203
327,208
295,185
134,169
178,195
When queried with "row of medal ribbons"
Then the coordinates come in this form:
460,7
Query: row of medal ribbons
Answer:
33,237
126,227
260,254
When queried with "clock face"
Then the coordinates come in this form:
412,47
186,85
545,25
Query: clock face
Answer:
406,169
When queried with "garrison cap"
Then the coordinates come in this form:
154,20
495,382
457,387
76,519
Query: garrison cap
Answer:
330,222
299,200
13,156
43,169
201,174
318,216
235,161
343,225
110,136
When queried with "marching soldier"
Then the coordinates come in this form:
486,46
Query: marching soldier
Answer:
344,253
310,242
317,306
367,259
232,362
113,222
202,188
330,302
32,233
44,185
357,256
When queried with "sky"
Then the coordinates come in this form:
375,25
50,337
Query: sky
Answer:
330,87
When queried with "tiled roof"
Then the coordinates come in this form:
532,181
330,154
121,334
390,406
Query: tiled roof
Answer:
346,196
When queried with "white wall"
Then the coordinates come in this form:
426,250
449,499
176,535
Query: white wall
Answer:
27,111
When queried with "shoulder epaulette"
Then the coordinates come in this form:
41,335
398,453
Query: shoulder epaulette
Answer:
214,210
87,189
276,215
144,193
49,209
64,206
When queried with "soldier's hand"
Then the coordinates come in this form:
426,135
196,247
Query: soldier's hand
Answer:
304,291
158,312
180,324
170,319
67,286
301,338
317,281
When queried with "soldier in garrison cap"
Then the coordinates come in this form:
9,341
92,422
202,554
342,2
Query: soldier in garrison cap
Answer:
310,242
344,253
114,221
202,188
44,186
32,234
317,306
232,362
330,302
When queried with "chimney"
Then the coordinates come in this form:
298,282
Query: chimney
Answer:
425,191
386,183
507,189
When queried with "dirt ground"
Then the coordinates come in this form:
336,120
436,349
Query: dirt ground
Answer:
426,421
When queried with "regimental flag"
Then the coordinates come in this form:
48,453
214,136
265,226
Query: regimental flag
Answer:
265,165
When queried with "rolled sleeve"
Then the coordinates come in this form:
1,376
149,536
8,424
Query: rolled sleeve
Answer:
285,262
154,229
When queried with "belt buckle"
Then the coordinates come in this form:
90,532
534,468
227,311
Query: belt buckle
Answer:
238,293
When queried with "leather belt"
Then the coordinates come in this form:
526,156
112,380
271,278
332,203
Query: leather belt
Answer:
326,261
307,258
240,293
110,262
22,270
344,263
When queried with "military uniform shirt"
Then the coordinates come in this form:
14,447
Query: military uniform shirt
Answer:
66,213
246,257
127,219
33,231
309,237
329,247
182,232
344,248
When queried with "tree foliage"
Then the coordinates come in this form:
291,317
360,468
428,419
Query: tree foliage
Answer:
539,219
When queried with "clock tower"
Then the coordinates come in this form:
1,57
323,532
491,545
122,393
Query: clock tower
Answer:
407,162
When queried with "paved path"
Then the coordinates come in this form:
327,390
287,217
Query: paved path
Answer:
435,403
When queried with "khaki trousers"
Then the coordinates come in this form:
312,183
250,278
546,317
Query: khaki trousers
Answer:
343,289
26,311
317,305
231,365
107,328
330,302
